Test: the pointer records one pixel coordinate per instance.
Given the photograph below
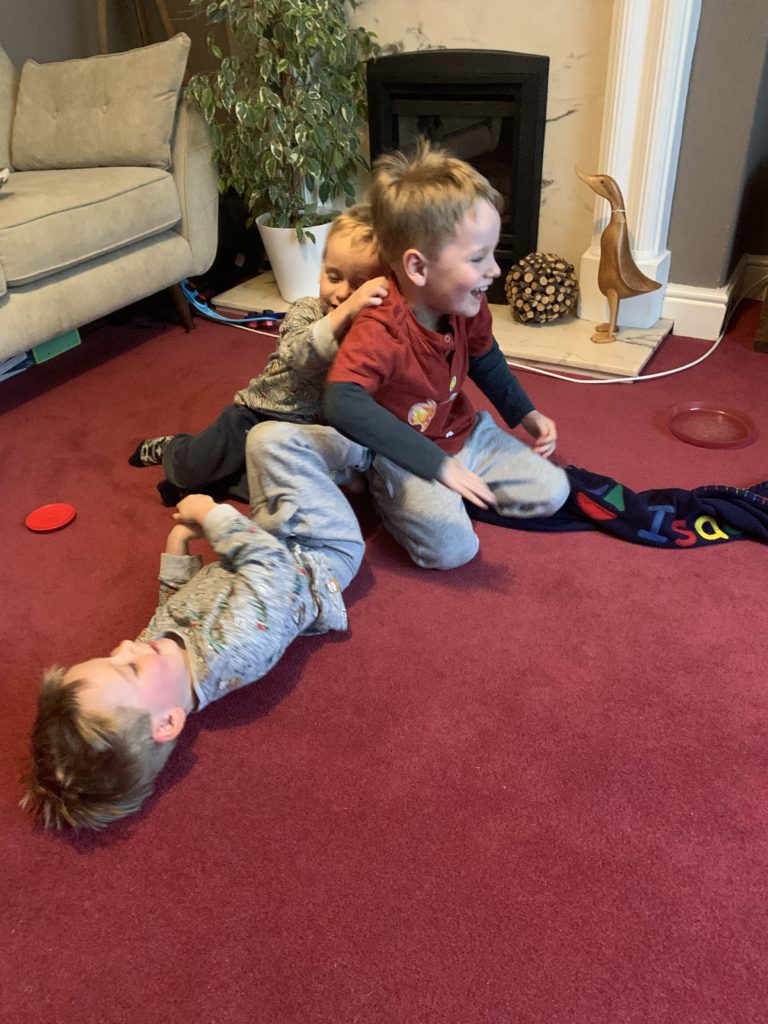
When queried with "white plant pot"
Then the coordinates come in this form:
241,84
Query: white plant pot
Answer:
296,265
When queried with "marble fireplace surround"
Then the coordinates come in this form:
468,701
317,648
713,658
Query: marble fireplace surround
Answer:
651,48
650,53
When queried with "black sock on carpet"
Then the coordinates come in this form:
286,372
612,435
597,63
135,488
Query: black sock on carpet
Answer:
149,452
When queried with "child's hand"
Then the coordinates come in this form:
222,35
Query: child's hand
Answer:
469,485
543,429
193,509
370,293
180,536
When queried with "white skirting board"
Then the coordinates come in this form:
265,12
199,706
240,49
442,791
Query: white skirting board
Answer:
701,312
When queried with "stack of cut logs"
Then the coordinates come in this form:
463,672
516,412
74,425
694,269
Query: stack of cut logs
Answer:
541,287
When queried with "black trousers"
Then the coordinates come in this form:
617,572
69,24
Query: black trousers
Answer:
214,459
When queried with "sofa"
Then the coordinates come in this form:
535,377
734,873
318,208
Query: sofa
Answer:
111,195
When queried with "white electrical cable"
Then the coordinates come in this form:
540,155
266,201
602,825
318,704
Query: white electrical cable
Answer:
646,376
251,330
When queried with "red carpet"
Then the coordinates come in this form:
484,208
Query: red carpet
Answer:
529,791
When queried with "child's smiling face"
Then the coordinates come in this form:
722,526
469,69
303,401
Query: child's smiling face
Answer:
465,267
346,266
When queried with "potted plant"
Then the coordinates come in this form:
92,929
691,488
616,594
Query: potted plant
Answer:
285,109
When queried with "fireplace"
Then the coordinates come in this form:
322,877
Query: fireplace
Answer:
487,107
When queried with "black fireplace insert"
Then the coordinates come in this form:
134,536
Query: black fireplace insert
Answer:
487,107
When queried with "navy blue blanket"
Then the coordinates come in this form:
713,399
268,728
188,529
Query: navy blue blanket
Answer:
669,518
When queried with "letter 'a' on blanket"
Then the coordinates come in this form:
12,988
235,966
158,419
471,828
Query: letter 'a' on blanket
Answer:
671,518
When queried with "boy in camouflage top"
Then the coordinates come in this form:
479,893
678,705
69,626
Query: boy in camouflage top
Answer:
291,385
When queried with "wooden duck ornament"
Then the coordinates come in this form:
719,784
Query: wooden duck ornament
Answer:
618,276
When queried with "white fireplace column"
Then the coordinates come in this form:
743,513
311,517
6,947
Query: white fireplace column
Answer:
649,65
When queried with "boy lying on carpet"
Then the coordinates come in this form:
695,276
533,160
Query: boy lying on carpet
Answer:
290,387
105,727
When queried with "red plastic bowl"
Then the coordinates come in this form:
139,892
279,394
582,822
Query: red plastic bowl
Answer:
711,426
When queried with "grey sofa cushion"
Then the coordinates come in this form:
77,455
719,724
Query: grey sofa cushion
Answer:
53,220
116,108
8,83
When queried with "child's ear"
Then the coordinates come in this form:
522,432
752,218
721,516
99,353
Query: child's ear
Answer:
415,266
168,725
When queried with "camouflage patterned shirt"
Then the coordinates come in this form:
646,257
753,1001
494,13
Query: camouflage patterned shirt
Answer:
291,385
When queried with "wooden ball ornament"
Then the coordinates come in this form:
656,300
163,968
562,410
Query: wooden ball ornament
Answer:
541,287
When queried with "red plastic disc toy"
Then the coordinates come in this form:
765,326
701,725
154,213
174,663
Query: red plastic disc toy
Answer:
50,517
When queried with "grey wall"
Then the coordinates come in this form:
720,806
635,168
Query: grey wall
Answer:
724,147
752,228
47,30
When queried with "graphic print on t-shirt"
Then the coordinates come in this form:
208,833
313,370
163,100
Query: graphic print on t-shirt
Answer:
422,413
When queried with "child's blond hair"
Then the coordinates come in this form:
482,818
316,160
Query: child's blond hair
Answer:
418,200
88,770
356,223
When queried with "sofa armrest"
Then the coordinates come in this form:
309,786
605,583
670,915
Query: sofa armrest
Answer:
9,81
197,183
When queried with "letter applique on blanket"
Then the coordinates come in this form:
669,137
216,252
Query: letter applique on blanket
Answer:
671,518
